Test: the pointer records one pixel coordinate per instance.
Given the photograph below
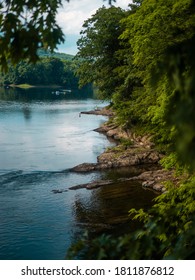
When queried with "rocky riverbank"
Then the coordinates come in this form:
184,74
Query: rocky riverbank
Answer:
130,150
154,179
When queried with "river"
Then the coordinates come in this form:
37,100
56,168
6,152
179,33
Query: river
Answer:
41,137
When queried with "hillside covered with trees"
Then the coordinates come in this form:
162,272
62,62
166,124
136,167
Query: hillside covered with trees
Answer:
51,69
143,61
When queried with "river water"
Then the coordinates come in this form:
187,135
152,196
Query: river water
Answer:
41,137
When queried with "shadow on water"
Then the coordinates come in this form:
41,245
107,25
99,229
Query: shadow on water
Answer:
105,209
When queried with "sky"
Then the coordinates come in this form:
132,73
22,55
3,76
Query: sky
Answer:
72,16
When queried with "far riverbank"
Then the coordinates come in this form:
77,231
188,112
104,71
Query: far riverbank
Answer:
27,86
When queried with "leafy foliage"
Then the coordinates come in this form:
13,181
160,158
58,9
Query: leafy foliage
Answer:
162,37
25,26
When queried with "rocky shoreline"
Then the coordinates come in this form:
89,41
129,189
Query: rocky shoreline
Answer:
130,150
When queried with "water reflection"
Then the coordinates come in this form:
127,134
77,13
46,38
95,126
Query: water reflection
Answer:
28,97
105,209
27,113
43,94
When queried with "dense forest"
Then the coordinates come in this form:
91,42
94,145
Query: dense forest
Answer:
51,69
143,60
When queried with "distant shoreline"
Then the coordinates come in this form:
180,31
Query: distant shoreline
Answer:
26,86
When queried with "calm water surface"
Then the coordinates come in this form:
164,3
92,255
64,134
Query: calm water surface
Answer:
41,137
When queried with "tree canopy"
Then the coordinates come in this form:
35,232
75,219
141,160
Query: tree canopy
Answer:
97,49
47,71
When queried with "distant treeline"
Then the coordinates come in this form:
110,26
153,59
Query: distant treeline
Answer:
52,69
